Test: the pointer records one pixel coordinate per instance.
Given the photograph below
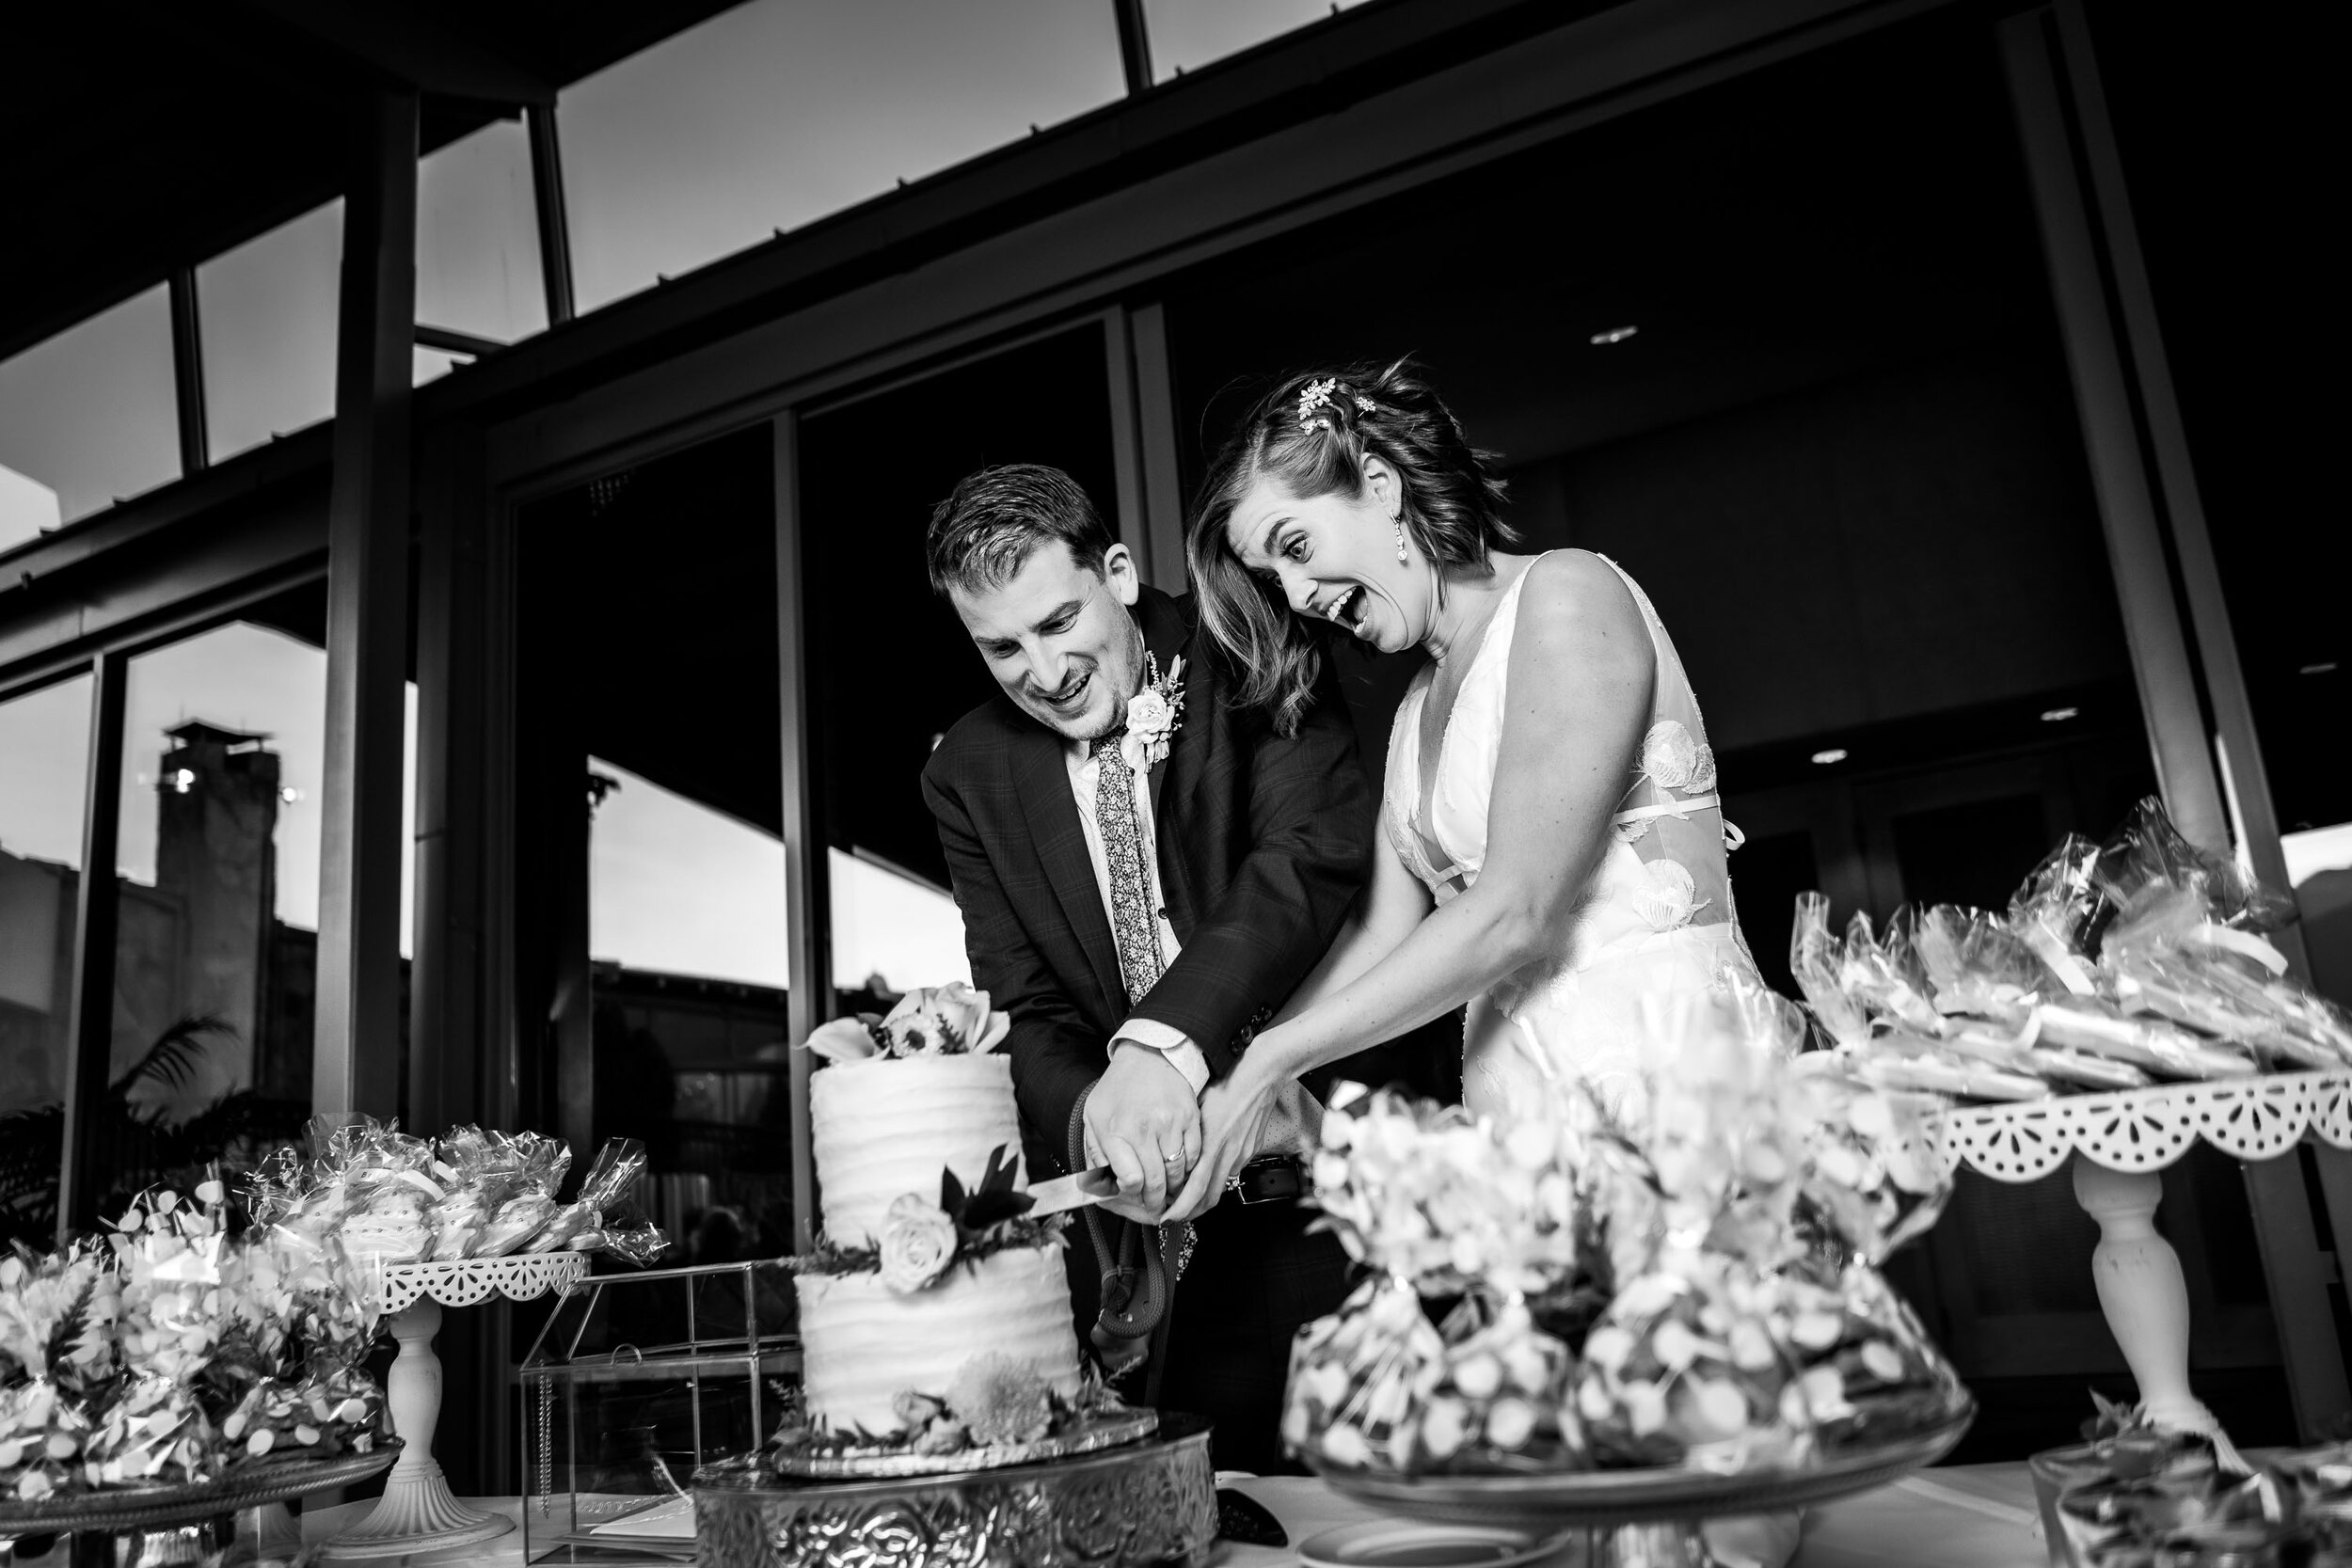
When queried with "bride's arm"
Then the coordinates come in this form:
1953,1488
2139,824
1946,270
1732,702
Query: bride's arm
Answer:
1392,905
1580,673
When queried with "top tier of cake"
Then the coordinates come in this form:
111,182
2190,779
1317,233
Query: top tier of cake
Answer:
883,1128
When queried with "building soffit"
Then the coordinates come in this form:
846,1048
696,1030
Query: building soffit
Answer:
1048,226
1078,257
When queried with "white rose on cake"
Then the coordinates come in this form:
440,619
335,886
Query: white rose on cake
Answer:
919,1242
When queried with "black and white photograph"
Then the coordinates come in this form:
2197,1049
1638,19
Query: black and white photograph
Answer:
1091,784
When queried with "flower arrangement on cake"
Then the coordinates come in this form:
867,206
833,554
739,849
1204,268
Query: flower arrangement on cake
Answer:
2116,966
172,1352
1699,1293
935,1314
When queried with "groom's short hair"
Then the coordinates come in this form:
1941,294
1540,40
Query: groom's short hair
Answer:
983,533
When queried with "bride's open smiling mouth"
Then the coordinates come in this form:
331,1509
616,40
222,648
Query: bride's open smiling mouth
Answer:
1345,609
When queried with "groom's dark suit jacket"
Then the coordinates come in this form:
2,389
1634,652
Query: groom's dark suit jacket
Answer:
1263,843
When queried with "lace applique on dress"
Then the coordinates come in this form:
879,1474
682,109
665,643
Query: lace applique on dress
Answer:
1673,760
1670,897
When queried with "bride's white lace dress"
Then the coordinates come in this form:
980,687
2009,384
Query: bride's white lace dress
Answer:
1656,920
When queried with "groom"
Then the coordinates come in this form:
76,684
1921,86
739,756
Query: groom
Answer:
1143,870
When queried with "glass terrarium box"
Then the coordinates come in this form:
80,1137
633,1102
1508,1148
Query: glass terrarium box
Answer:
637,1380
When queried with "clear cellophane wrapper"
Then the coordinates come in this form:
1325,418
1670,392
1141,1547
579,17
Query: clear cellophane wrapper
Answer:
1375,1386
1873,1169
1431,1195
604,1216
2116,966
317,1414
1684,1372
2186,1519
369,1184
499,1190
1878,1002
1361,1377
2321,1480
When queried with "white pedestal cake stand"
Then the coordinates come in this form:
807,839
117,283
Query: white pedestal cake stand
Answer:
2118,1142
417,1513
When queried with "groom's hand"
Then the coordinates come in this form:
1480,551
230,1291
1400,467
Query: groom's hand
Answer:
1143,1122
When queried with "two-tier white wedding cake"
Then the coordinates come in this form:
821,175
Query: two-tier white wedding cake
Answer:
936,1315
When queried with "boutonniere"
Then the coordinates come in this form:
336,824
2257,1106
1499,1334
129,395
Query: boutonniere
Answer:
1153,714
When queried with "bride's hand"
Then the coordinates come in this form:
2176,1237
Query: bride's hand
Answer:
1234,1113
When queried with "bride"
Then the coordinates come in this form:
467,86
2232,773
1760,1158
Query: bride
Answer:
1553,848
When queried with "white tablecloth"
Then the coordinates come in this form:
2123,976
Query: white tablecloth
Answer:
1959,1516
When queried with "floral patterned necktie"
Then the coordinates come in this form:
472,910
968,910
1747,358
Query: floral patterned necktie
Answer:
1133,924
1134,927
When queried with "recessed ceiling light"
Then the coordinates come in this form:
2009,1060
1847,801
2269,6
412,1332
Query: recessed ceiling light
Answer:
2325,667
1835,753
1614,335
2059,715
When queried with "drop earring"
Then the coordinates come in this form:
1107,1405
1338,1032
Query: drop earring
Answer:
1399,525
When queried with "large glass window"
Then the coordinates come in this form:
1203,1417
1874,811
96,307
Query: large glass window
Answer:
781,111
1188,34
866,495
45,737
87,417
478,242
1849,472
651,793
218,860
267,310
2259,444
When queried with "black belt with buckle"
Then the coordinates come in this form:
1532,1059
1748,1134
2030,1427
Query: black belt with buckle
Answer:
1269,1178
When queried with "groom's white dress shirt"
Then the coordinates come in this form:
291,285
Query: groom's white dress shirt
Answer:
1085,779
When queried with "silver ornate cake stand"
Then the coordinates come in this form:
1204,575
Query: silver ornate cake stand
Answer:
417,1513
1645,1519
1152,1501
152,1506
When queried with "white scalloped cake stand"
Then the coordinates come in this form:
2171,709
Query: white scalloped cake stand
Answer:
2120,1142
417,1513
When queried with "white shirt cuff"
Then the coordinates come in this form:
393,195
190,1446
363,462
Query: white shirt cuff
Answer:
1171,1042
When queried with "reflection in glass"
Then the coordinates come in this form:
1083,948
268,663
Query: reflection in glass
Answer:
478,237
651,750
88,415
772,114
882,694
1188,34
45,738
268,315
216,953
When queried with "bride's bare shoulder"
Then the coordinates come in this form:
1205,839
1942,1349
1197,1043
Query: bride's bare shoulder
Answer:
1577,593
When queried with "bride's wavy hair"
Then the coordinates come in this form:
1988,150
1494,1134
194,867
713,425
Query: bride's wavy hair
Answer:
1314,445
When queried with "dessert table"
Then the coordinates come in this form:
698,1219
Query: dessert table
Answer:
1954,1517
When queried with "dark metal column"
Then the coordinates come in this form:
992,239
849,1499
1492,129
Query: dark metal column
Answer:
187,373
447,1040
555,233
1156,425
806,895
1135,44
81,1174
355,1053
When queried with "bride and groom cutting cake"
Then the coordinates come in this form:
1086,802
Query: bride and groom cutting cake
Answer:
1178,884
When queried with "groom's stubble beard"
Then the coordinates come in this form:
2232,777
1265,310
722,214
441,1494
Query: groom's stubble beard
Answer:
1120,669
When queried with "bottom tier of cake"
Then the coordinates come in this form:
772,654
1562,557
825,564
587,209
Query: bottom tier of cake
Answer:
864,1344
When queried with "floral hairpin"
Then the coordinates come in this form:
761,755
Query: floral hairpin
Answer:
1317,394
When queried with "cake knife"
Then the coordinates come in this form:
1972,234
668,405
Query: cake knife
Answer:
1073,1192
